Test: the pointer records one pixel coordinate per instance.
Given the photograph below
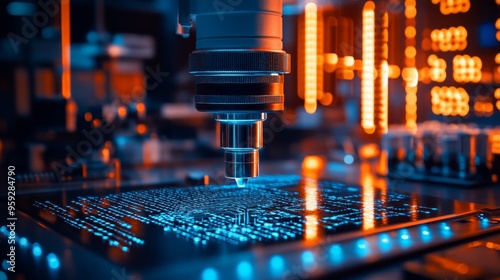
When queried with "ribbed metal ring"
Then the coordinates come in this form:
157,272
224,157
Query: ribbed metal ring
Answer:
239,99
247,79
239,61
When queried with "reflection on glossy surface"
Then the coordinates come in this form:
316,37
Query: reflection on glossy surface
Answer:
53,261
368,197
134,227
311,200
277,264
209,274
244,270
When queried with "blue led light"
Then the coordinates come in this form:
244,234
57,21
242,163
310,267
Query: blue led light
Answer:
21,8
336,254
53,261
244,269
446,230
277,263
348,159
307,259
209,274
425,234
5,264
361,244
125,249
484,222
385,242
23,241
362,248
37,250
405,236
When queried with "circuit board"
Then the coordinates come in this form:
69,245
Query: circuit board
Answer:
206,220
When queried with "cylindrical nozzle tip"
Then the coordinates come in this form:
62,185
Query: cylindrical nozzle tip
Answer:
241,182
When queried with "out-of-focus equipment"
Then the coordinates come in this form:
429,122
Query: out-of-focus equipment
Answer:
453,154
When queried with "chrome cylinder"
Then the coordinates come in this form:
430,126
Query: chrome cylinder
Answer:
241,138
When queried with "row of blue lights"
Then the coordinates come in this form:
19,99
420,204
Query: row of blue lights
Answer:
52,260
362,246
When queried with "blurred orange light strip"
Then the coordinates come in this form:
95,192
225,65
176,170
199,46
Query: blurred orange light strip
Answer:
311,57
66,48
410,72
367,75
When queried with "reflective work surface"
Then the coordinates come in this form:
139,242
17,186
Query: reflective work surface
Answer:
163,230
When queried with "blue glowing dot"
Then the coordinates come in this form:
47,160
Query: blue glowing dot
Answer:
425,232
3,229
244,269
362,244
209,274
125,249
5,264
37,250
308,259
348,159
336,254
3,276
53,261
335,250
277,263
385,240
23,241
405,236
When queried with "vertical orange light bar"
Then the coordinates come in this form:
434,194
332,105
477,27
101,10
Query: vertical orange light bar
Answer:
367,75
311,199
66,48
410,73
381,82
311,57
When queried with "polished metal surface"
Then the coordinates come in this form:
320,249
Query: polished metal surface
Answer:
241,139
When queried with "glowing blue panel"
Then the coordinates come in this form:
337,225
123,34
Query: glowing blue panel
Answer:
53,261
209,274
3,276
37,250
